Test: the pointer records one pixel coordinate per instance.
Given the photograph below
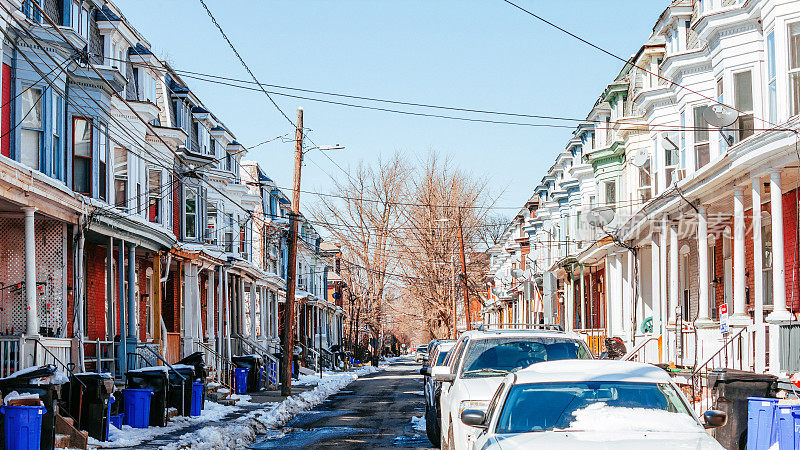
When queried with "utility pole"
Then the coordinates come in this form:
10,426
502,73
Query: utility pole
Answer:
467,317
287,343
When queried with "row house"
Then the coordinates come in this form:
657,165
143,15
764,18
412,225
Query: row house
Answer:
660,212
134,231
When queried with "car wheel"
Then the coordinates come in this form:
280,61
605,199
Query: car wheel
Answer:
430,427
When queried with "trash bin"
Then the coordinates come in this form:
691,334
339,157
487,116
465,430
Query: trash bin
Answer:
89,402
788,426
240,380
731,389
760,421
154,378
137,407
254,363
180,396
47,388
22,426
197,398
200,370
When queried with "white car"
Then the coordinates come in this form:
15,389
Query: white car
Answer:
600,404
478,363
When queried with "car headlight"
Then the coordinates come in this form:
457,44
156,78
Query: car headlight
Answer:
472,404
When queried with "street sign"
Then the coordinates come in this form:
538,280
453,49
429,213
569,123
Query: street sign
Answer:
723,318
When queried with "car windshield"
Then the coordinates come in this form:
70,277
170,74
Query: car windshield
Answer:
594,406
499,356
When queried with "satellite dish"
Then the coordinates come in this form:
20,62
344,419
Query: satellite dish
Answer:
720,116
600,216
517,273
640,157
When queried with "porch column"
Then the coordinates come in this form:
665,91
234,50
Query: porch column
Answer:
655,283
32,317
739,316
662,293
615,301
220,308
210,307
123,359
702,267
631,298
253,302
132,294
110,322
156,290
779,313
673,273
583,300
758,278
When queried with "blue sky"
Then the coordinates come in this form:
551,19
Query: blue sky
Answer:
480,54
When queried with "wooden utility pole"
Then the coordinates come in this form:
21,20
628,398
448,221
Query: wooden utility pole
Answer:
287,344
467,317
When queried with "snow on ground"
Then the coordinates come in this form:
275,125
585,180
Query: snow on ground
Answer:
418,423
129,437
244,430
601,417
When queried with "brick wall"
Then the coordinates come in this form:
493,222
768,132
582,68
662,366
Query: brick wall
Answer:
176,209
790,248
142,266
170,307
96,290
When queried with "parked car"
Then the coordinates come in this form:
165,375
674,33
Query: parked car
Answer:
420,353
599,404
480,360
432,389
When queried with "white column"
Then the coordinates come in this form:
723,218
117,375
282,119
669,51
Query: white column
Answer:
32,318
655,283
253,300
615,302
758,280
569,304
739,316
702,267
583,300
673,273
779,313
210,307
663,302
631,299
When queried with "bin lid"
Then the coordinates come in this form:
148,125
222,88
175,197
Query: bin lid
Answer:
723,375
150,369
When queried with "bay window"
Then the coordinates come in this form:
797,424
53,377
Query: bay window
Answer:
121,178
645,192
57,125
794,66
702,154
32,127
154,195
82,155
772,90
190,213
228,233
211,223
743,101
671,158
611,193
103,168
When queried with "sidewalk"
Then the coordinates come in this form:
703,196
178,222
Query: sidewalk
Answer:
220,427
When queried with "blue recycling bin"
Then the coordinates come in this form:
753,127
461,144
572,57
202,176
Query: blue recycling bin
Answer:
197,398
760,421
137,407
108,418
117,420
788,427
240,380
22,426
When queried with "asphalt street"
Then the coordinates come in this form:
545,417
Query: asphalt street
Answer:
372,412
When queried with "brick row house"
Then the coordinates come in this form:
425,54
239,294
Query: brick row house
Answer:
656,213
131,224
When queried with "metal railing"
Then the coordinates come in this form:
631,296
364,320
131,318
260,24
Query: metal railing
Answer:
103,357
639,352
222,365
11,354
48,355
730,355
259,349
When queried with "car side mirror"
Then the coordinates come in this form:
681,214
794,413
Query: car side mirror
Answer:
714,418
474,418
442,374
425,371
425,360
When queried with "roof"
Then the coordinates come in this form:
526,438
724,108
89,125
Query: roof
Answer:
105,14
139,49
592,370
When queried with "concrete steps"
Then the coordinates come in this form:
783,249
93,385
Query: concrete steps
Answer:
67,436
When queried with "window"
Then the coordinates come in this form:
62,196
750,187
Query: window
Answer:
121,177
645,192
31,11
611,194
228,235
138,197
57,156
771,78
154,196
211,223
671,159
794,66
243,238
701,149
82,155
84,30
743,101
685,282
103,169
31,124
190,213
683,140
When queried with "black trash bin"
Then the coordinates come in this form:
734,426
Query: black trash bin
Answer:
254,363
731,389
154,378
49,392
180,393
200,371
89,395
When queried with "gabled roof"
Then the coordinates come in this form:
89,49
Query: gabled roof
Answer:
139,49
105,14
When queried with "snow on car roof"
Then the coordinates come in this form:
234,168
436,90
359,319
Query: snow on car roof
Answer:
478,334
591,370
446,346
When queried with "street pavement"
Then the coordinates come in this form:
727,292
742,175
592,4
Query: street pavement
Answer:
372,412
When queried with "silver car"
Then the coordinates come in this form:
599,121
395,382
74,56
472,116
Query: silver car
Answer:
437,356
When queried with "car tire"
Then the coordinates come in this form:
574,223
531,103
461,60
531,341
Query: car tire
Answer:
431,429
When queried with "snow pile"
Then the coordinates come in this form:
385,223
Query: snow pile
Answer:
418,423
131,437
244,430
610,419
243,400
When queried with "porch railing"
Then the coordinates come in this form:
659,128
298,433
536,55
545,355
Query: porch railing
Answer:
11,354
734,353
271,361
100,356
222,366
643,351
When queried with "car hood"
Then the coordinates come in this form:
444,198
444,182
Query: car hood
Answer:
481,388
697,440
